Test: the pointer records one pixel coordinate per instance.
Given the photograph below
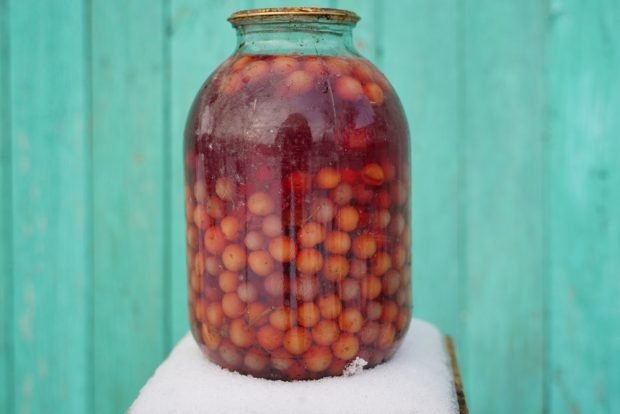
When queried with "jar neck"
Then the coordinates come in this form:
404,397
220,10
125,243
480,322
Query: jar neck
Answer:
296,38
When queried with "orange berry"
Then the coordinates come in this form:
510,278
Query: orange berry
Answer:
349,290
397,225
260,204
387,334
214,240
362,71
348,88
399,256
336,268
390,311
230,355
214,207
255,361
338,66
380,263
337,242
398,192
210,337
254,71
281,360
240,333
281,319
269,337
213,265
228,281
214,314
369,333
315,66
272,226
256,313
371,287
317,359
297,341
358,268
346,347
390,282
233,257
389,170
232,306
230,227
200,191
323,210
372,174
201,218
254,240
282,249
374,310
325,332
260,262
308,314
311,234
309,261
298,82
225,188
380,219
374,93
330,306
231,84
364,246
347,218
327,178
247,292
306,287
241,62
283,65
274,285
350,320
342,194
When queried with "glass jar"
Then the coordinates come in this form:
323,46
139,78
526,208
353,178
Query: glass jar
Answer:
297,180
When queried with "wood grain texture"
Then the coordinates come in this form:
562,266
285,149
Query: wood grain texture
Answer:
513,113
504,161
421,60
584,208
6,273
49,142
128,159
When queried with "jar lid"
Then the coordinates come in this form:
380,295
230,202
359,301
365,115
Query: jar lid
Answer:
294,12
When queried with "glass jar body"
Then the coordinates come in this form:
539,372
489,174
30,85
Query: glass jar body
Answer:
297,179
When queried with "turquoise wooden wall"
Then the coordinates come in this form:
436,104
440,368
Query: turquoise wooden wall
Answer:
514,108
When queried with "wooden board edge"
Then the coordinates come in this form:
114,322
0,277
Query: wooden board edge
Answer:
458,382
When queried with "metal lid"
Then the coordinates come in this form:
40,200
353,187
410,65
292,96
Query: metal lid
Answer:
279,13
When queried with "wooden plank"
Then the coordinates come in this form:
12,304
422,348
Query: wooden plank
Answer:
584,208
192,27
49,101
128,157
458,382
420,52
6,273
503,199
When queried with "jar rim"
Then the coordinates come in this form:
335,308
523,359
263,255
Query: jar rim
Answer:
272,13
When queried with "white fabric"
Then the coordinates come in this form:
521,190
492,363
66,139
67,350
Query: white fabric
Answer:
418,379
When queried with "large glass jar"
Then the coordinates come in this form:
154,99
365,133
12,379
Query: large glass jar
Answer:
297,181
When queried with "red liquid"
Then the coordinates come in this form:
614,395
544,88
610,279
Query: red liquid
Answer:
297,182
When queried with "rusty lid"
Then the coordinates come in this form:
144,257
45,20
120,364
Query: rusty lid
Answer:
283,13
